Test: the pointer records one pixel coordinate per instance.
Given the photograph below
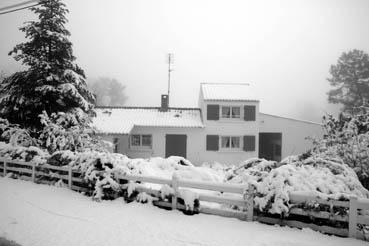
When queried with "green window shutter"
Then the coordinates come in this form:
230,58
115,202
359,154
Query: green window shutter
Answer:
249,113
212,112
212,142
249,143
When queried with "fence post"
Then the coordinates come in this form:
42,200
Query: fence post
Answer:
175,189
70,177
33,172
4,168
353,217
249,197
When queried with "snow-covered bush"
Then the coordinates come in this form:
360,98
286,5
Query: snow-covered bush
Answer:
22,153
322,177
347,137
15,135
62,158
67,131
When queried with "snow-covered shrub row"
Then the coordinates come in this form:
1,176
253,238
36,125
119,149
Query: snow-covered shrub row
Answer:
22,153
103,169
318,176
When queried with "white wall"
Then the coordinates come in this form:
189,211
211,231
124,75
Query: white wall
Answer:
158,141
231,127
196,145
293,132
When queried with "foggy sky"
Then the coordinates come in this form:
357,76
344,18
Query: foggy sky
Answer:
284,49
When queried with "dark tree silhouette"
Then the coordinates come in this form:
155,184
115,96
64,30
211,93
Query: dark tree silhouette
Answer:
350,79
108,91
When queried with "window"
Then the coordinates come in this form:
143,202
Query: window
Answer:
229,112
141,141
136,140
236,112
229,142
226,112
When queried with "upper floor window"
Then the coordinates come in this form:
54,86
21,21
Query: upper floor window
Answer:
144,141
230,142
231,112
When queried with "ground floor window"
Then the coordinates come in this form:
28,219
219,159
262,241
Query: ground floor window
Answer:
230,142
141,140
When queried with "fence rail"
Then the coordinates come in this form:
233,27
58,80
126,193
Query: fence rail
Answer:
358,209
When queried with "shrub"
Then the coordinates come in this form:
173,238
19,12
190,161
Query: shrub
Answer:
347,137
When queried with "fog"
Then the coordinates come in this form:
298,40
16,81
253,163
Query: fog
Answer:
284,49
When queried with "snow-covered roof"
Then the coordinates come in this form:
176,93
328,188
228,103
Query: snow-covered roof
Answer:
121,120
228,92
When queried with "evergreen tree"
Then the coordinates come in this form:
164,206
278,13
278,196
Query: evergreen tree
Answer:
350,79
52,82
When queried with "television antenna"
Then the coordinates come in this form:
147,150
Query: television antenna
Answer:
170,61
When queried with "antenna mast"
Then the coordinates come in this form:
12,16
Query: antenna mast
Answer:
170,61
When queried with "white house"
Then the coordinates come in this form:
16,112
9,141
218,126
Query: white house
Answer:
227,127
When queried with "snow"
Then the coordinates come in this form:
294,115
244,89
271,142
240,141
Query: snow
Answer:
228,92
325,178
110,120
189,197
32,214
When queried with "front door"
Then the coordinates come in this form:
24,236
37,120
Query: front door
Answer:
175,144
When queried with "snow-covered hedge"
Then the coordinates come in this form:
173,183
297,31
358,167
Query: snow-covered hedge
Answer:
315,175
318,176
22,153
102,170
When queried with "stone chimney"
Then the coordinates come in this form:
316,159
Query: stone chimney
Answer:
164,103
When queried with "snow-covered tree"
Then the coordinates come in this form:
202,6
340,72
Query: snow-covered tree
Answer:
347,137
350,80
53,82
68,131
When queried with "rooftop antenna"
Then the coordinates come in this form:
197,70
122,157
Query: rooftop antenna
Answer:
170,61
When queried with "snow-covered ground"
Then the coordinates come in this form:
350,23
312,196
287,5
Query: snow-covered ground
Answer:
33,214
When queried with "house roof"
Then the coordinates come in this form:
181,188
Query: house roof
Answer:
290,118
121,120
228,92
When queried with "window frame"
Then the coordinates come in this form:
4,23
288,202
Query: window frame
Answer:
140,145
230,148
231,115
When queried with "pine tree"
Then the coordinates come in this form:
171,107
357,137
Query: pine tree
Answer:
350,79
52,82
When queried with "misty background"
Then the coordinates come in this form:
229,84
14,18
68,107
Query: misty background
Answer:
284,48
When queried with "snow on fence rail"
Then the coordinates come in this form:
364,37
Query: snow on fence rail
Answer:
357,216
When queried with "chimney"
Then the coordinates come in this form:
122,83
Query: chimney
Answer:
164,103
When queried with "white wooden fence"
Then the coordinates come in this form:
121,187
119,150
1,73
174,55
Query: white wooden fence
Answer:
358,209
